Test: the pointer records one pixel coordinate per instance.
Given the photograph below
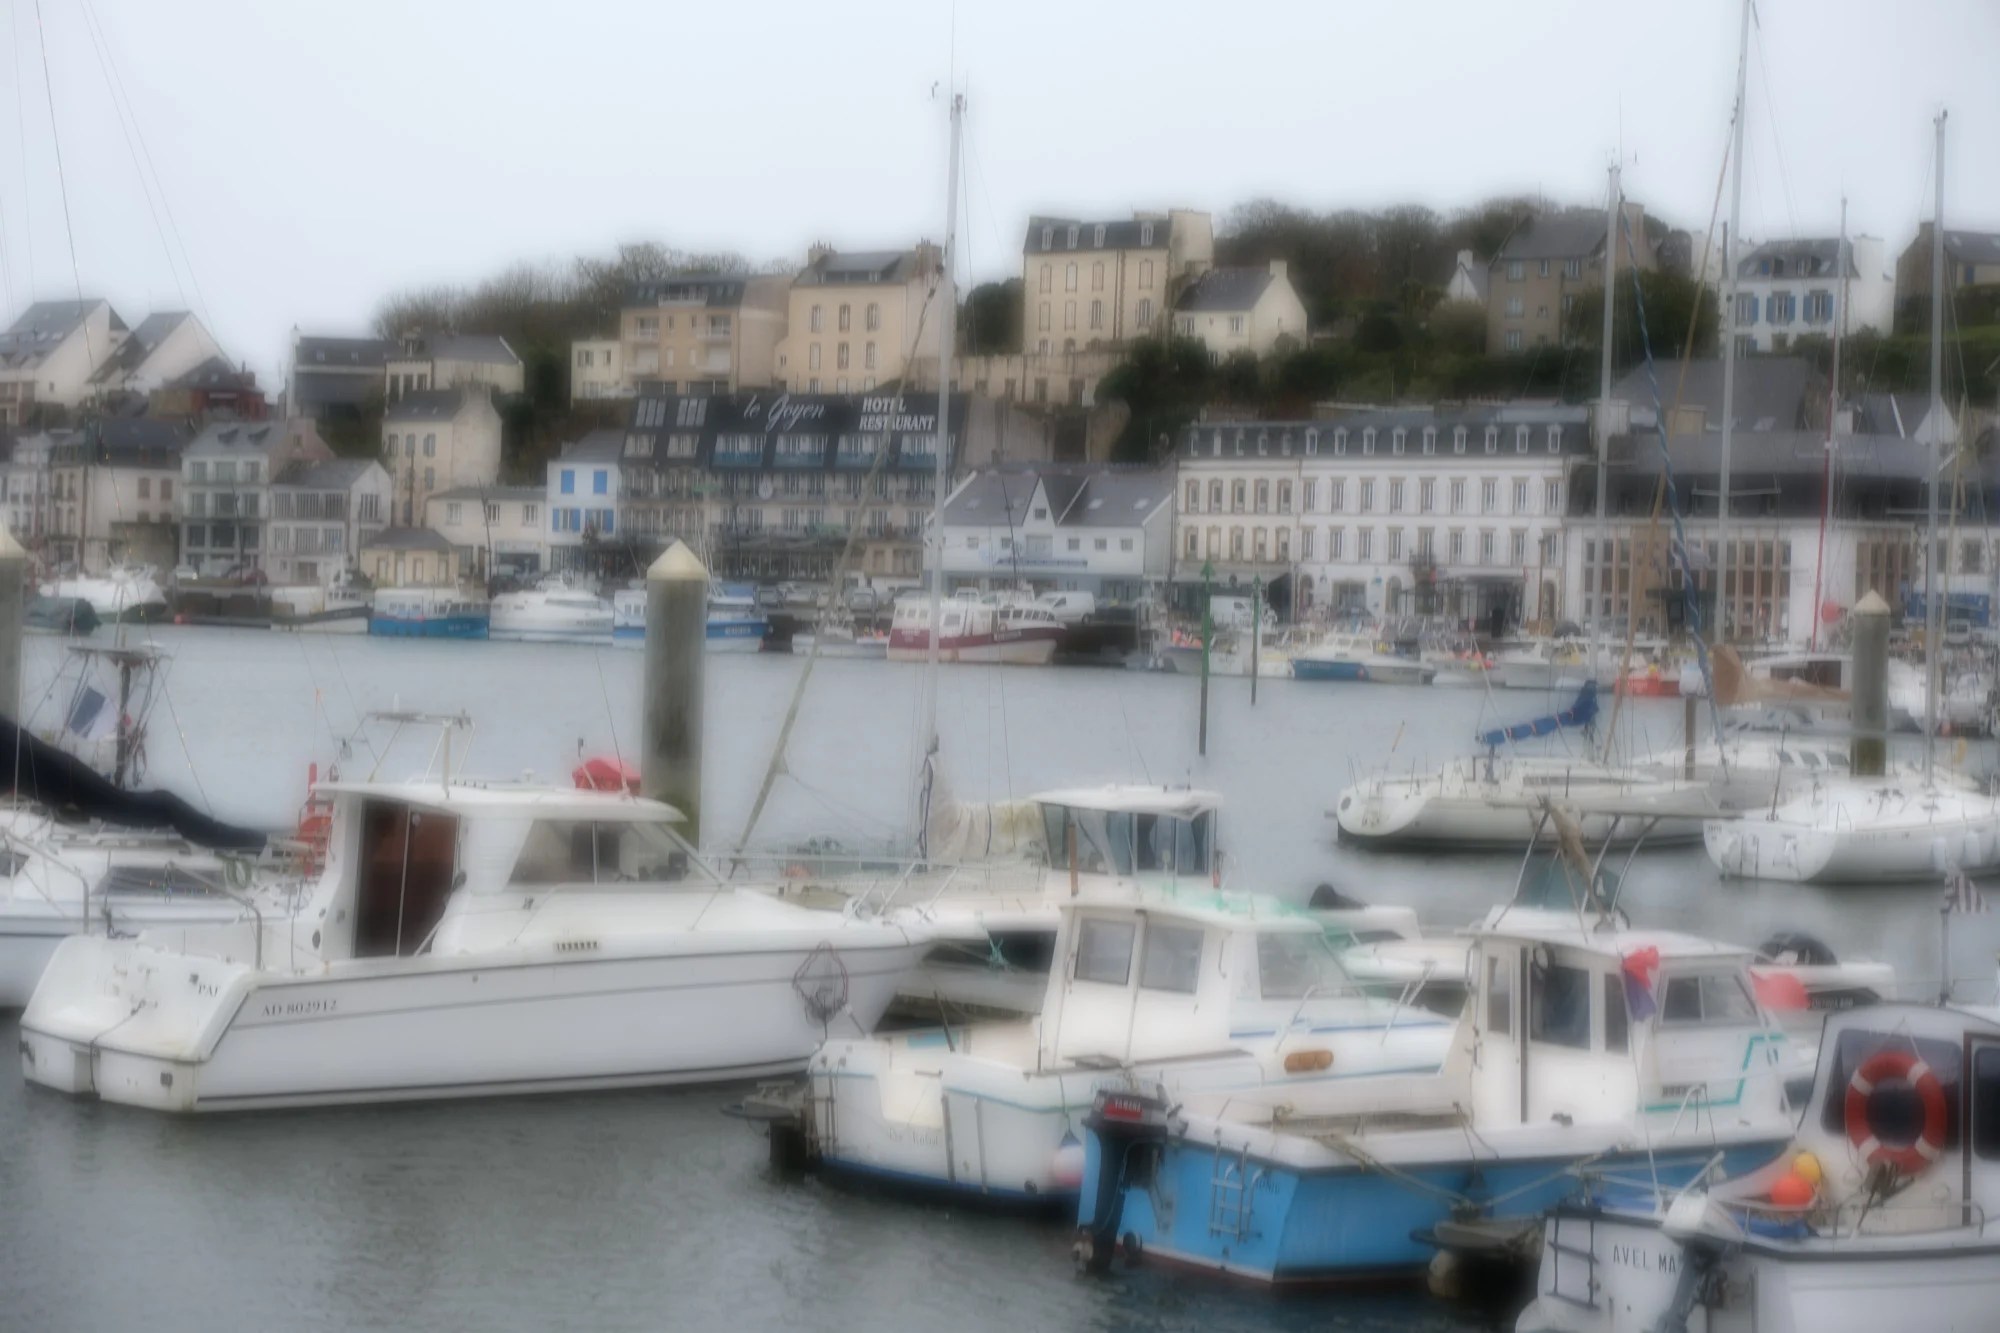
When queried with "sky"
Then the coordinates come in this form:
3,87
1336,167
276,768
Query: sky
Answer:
291,164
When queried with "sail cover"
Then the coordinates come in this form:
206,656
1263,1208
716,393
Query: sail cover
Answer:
70,788
1581,713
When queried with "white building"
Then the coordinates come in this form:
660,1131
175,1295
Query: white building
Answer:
166,345
24,487
584,486
1788,289
494,529
322,514
1397,512
1105,531
1241,310
436,440
453,360
226,476
597,370
112,493
49,354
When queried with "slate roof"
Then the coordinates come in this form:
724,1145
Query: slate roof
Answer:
214,373
316,353
42,327
1771,391
1896,414
715,290
528,494
1120,235
224,436
426,405
597,446
1079,497
1234,289
485,348
1566,235
335,474
408,539
135,442
1283,438
1781,453
1972,247
141,343
856,268
1823,254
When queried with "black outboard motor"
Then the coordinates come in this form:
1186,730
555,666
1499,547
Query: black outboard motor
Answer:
1128,1125
1326,898
1795,948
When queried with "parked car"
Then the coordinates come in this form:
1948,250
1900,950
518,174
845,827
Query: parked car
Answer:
863,601
769,596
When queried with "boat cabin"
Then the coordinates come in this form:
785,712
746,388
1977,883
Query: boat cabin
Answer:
1585,1020
1100,835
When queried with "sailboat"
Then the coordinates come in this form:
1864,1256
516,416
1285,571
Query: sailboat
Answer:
1896,825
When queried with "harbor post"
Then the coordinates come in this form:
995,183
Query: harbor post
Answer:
13,604
676,652
1256,633
1868,754
1207,634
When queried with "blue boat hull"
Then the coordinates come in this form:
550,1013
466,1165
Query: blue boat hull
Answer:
1351,1224
436,627
724,636
1307,669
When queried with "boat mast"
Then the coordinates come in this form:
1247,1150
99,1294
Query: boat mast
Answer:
1832,421
1603,561
1936,442
947,321
1730,232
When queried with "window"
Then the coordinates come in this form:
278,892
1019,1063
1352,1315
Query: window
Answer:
1492,439
1069,278
1514,341
1367,494
1520,495
1395,495
1746,308
1517,546
1616,1021
600,482
1145,273
1516,270
1457,495
430,446
1336,494
1103,544
1069,312
1499,996
1334,541
1458,439
814,321
1364,543
1097,269
166,488
1542,269
145,488
647,326
1305,543
1125,544
1397,439
1284,497
1395,543
451,513
1559,1005
841,354
1193,543
1263,496
1237,498
1427,494
1486,546
1192,503
1455,545
1514,307
1717,999
531,514
1487,497
1144,312
846,317
568,485
1097,312
430,478
1430,439
1236,323
1520,439
1048,276
1552,492
1172,960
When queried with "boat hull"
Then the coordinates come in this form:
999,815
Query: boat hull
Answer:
345,620
1380,673
721,637
1031,647
431,627
1403,815
433,1027
869,649
1760,849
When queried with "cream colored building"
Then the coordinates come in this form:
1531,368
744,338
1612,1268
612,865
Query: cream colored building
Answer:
50,353
437,439
699,333
492,528
451,361
597,370
1106,283
1233,310
857,318
1549,261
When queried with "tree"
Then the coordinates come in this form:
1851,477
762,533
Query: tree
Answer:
992,320
1458,328
1671,300
1163,382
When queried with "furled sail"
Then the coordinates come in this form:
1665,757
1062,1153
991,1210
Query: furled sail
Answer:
1581,713
70,788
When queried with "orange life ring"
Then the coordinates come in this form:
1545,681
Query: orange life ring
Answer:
1915,1158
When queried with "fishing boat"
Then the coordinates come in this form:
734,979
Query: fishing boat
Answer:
336,607
554,611
975,627
1160,982
429,613
735,624
1876,1215
835,634
467,939
1543,664
122,593
1583,1042
1356,657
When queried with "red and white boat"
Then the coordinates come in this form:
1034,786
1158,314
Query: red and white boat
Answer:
989,627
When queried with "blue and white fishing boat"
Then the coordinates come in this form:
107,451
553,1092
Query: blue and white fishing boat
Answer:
1583,1042
735,624
1355,657
428,613
1159,983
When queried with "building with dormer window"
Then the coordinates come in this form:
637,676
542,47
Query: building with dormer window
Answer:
1786,290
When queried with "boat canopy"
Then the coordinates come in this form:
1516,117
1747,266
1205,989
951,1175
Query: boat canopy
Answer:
1581,713
58,780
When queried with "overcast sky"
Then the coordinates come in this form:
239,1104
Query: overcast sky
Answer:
316,157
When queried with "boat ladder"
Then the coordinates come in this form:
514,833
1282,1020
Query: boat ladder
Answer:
1586,1254
1230,1201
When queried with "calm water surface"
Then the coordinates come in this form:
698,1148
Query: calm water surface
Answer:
650,1209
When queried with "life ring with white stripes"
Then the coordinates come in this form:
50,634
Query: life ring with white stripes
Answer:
1886,1066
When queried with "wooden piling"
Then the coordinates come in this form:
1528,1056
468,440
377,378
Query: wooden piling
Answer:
13,607
676,653
1869,709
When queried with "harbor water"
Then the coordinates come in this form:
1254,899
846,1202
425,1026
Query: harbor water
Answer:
651,1209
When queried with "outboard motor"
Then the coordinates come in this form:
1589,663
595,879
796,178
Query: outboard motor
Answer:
1795,948
1127,1125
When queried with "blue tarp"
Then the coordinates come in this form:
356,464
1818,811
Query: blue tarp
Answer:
1581,713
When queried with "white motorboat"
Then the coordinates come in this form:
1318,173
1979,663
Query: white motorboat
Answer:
467,940
1543,664
1810,688
122,593
1854,829
1356,657
836,635
1153,989
310,608
974,627
556,611
735,624
429,613
1877,1217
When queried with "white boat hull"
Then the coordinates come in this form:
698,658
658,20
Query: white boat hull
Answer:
1453,812
224,1037
1906,835
1024,650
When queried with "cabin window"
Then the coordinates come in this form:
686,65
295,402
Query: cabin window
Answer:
1499,997
1172,960
1120,843
1615,1018
1718,999
1559,1005
1294,964
1104,951
1986,1103
567,851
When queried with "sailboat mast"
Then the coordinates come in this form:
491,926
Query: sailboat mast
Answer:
1931,619
1603,577
947,337
1730,233
1832,422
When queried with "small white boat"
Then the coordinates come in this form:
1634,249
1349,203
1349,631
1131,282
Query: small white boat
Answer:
836,635
1862,830
428,613
555,611
123,593
1356,657
991,627
1543,664
310,608
467,939
1876,1217
735,625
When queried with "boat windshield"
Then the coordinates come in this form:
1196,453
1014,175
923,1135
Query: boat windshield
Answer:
1121,842
570,851
1293,964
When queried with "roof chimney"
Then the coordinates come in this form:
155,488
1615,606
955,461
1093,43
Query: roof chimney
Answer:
1277,268
817,251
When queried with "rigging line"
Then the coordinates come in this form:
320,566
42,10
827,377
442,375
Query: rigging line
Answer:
1771,121
123,114
187,754
62,183
610,718
21,126
146,151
